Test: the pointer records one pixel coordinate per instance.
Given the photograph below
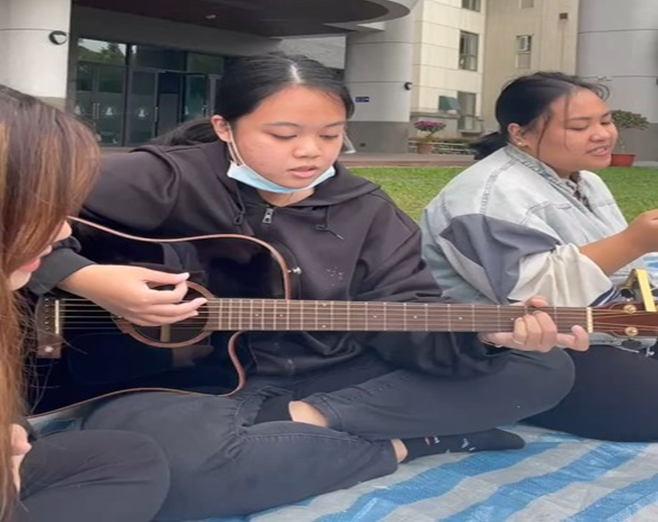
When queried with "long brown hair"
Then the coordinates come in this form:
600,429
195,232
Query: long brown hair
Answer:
48,161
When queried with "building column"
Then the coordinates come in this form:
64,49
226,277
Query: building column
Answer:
617,47
34,46
378,72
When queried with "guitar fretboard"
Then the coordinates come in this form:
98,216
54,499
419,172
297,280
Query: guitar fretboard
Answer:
293,315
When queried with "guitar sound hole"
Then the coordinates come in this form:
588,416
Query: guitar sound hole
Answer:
183,332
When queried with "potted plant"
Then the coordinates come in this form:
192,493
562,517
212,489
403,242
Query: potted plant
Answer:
429,128
624,120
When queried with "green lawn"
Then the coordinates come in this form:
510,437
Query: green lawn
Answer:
636,189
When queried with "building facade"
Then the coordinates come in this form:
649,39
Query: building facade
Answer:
465,51
449,63
134,70
618,46
524,36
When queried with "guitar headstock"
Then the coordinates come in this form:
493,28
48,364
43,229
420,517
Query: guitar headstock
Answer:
625,319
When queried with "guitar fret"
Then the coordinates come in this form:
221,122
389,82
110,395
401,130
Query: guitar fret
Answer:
262,314
449,317
235,314
331,315
349,308
427,323
472,318
498,321
324,315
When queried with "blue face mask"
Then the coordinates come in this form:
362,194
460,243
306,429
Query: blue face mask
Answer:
246,175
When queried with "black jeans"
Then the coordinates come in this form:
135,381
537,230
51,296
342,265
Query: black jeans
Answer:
93,476
223,464
615,397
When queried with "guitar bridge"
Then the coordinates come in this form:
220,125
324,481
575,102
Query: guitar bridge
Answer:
48,319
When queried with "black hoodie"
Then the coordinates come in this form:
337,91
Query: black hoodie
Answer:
349,239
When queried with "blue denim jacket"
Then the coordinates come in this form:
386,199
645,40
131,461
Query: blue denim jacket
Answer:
508,228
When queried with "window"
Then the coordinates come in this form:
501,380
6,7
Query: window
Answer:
101,52
524,51
448,104
205,63
527,4
468,51
472,5
468,120
157,58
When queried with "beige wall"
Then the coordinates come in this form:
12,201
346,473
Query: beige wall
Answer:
553,47
436,53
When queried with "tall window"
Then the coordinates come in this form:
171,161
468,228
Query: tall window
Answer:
524,51
472,5
467,116
468,51
527,4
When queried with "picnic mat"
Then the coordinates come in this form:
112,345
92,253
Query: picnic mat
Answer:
555,477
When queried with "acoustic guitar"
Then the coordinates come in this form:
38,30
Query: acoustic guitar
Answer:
83,352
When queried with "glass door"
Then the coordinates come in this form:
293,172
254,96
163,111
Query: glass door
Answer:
170,95
142,106
100,101
199,95
213,81
85,93
110,113
195,97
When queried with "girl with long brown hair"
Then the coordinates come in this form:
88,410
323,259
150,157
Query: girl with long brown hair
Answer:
48,161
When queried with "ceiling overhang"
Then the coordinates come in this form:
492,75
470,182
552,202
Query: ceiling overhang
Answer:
269,18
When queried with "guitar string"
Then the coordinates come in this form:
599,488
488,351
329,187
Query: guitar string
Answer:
240,304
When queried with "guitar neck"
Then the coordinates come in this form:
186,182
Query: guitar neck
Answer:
293,315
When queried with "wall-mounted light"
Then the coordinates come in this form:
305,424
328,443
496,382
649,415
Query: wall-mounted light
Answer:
58,37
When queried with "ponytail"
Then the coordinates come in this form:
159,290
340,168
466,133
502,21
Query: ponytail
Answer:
190,133
488,144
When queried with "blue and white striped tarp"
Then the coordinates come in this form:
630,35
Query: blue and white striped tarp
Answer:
555,477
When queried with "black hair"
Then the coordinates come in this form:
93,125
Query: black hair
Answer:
526,100
248,81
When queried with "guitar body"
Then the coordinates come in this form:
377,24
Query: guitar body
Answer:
82,352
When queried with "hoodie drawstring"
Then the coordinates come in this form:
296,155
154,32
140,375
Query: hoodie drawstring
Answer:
325,227
242,209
